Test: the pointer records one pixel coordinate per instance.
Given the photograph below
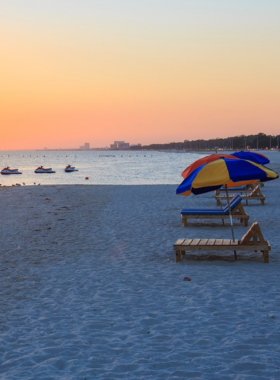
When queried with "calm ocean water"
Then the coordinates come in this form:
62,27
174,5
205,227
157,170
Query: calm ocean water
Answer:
102,167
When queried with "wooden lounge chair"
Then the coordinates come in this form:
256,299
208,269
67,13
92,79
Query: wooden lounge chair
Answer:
253,240
256,194
237,212
242,189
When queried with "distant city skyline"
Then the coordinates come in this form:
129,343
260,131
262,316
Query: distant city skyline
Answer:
238,142
143,71
119,145
86,146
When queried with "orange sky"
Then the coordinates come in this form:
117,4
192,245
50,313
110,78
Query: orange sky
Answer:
95,76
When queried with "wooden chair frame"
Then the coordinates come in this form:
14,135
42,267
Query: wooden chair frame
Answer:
256,194
253,240
246,190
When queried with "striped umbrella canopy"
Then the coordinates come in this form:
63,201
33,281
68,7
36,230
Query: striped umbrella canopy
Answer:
258,158
205,160
224,172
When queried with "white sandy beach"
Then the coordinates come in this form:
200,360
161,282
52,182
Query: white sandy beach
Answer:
90,288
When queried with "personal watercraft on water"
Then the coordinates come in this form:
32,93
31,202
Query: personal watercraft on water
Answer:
7,170
41,169
70,169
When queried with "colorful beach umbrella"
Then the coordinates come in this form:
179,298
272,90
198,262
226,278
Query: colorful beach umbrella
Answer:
258,158
205,160
213,175
224,172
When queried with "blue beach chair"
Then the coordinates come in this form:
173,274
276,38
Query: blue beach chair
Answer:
237,212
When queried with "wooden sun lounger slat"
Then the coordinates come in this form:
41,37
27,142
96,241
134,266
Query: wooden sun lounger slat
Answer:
203,241
180,241
207,242
188,241
195,241
226,241
219,242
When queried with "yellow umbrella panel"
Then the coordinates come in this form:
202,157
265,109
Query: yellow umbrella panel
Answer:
224,172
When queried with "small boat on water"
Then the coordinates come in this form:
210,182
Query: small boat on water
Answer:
70,169
7,171
41,169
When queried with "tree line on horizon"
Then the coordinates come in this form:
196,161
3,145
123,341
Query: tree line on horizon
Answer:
259,141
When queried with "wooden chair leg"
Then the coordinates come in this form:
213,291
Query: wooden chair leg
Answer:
266,257
235,256
185,222
245,222
178,256
218,201
262,202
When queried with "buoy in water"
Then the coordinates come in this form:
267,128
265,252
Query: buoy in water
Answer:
86,178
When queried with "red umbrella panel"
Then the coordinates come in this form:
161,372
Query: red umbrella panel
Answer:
205,160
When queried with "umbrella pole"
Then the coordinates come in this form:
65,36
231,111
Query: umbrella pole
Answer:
231,223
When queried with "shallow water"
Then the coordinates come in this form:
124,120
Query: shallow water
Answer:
102,167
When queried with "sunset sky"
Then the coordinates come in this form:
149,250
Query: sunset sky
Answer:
143,71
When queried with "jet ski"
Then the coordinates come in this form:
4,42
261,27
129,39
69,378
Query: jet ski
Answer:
41,169
7,170
70,169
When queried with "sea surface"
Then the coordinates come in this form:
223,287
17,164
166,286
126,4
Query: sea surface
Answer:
101,167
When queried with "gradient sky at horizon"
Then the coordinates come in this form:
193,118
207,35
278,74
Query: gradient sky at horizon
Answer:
141,71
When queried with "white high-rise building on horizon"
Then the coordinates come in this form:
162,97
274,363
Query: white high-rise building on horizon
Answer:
86,146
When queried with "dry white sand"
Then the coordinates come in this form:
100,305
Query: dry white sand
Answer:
90,288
